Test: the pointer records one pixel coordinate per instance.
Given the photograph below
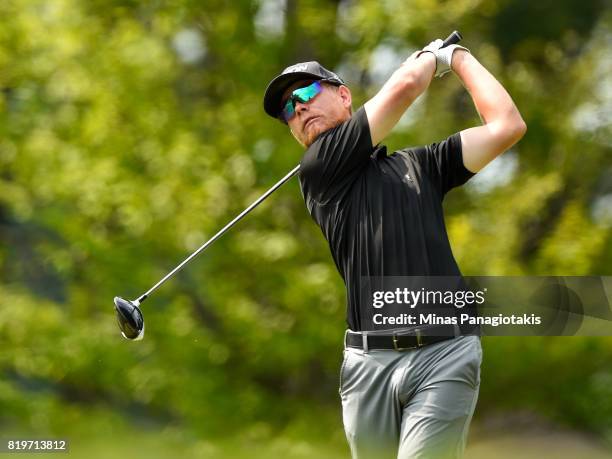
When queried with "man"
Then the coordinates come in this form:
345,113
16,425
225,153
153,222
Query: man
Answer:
406,392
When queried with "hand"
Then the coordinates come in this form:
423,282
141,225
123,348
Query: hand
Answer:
433,46
443,55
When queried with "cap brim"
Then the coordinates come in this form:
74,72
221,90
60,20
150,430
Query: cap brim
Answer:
278,86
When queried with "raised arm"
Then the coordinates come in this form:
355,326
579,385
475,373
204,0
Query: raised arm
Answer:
407,83
503,124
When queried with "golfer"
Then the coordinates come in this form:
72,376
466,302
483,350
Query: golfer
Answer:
406,392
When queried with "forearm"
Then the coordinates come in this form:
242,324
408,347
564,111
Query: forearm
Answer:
492,101
412,78
409,81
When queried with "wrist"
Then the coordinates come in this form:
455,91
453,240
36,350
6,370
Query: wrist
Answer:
429,60
458,57
426,54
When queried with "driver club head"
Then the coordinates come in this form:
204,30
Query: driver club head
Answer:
129,318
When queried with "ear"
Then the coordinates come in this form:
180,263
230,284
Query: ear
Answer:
345,96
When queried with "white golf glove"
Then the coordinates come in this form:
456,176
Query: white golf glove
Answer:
443,55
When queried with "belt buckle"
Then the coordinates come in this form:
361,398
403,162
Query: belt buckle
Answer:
418,345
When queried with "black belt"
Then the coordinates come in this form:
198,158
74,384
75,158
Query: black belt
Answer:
409,339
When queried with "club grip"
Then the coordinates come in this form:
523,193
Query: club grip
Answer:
453,38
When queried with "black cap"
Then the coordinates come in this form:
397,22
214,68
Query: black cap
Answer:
303,71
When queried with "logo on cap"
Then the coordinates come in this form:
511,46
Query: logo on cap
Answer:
297,68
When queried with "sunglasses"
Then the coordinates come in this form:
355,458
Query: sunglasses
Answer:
302,95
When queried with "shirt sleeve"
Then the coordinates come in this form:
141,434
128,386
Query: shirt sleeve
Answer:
443,163
335,159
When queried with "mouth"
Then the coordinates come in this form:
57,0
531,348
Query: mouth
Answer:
309,120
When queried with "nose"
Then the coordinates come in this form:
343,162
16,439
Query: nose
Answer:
300,106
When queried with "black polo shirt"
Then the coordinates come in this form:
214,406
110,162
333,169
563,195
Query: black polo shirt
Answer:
381,215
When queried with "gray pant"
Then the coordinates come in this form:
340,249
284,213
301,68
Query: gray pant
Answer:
412,404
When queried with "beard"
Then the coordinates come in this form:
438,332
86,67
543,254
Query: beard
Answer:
316,128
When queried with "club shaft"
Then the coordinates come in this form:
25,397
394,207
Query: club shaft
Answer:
454,37
220,232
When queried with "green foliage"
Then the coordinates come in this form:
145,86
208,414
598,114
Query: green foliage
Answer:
130,132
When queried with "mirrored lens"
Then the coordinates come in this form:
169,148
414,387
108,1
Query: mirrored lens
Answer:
302,95
288,110
307,93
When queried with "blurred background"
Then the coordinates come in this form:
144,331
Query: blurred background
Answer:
131,131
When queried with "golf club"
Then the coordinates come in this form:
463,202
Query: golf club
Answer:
129,315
